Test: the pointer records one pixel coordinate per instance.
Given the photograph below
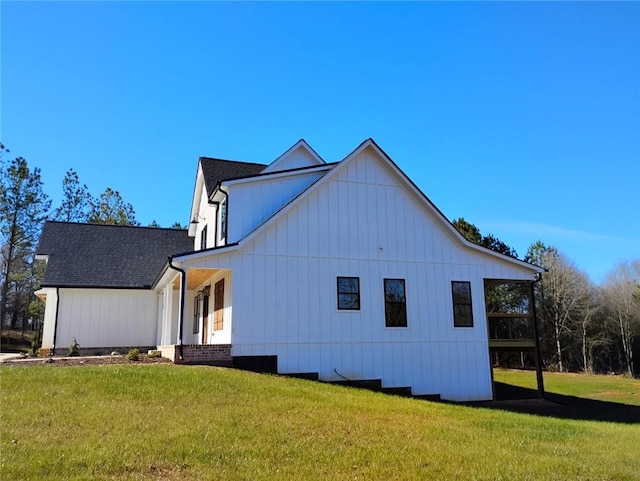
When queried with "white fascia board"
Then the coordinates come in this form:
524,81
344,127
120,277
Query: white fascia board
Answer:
168,276
195,203
42,257
278,175
220,194
41,294
204,253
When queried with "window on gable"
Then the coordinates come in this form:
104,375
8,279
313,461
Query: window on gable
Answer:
349,293
223,220
196,315
462,309
203,238
395,303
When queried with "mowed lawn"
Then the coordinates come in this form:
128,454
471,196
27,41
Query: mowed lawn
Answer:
601,388
166,422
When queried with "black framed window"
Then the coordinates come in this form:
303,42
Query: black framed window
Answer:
196,315
349,293
203,238
395,303
223,220
462,307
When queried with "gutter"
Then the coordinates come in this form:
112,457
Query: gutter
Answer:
183,290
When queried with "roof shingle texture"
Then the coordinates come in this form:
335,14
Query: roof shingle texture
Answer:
217,170
94,255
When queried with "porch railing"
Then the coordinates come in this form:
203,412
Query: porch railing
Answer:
510,330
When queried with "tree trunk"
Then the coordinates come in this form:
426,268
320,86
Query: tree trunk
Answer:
556,327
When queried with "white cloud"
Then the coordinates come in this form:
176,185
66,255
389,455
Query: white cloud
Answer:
542,231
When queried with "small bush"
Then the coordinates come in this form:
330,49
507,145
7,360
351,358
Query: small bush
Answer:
154,354
36,343
74,348
133,355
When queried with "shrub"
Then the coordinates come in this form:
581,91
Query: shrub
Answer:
154,354
36,343
74,348
133,355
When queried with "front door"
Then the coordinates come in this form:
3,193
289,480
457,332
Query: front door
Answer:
218,305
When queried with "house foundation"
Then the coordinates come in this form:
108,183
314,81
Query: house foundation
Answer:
203,354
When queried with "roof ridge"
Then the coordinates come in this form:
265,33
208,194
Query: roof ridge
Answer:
96,224
204,157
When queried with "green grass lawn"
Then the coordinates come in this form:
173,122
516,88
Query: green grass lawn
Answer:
602,388
180,423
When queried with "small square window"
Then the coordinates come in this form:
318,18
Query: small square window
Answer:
395,303
349,293
462,307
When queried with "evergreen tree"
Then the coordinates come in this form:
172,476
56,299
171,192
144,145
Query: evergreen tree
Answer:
23,209
76,203
110,208
472,234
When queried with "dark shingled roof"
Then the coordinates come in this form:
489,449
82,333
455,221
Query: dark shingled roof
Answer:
94,255
216,170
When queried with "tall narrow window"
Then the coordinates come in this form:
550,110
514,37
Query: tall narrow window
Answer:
203,238
395,303
349,293
196,315
223,220
462,311
218,305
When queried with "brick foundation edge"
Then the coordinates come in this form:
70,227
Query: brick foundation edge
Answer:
203,354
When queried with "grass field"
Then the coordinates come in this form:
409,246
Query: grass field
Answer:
602,388
166,422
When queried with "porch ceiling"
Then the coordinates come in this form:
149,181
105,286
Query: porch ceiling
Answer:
195,277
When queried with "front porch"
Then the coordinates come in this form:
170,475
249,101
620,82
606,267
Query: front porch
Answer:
194,316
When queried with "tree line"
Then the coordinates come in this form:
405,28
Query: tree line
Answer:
24,207
582,326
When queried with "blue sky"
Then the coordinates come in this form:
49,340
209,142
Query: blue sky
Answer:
524,118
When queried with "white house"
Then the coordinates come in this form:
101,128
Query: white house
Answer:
340,271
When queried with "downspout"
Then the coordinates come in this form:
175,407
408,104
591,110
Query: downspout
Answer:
183,287
537,337
55,323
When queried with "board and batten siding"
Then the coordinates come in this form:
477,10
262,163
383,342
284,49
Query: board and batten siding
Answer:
106,317
252,202
362,221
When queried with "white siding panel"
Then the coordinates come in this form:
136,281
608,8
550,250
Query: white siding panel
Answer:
251,203
107,317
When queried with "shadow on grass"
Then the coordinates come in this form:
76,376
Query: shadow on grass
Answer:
524,400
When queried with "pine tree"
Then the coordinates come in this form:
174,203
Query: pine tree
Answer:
24,207
110,208
76,202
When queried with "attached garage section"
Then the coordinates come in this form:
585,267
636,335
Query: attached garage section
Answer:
104,320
